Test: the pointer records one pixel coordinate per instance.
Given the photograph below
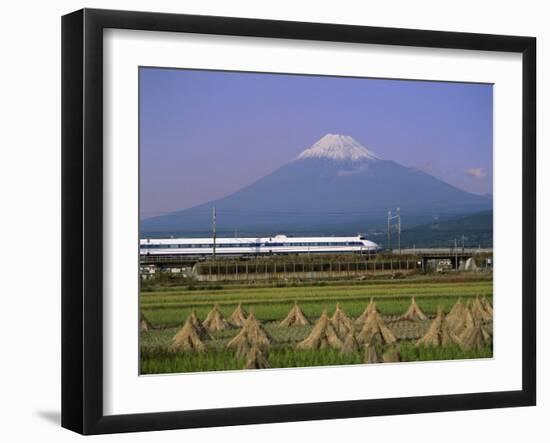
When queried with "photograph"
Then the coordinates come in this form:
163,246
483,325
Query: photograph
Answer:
293,220
270,222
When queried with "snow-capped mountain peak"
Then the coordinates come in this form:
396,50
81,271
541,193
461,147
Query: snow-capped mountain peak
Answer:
338,147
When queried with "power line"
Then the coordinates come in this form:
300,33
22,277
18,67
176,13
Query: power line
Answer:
300,213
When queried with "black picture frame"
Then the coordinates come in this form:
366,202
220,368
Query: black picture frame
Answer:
82,218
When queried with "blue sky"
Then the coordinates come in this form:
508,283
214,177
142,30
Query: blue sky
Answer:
206,134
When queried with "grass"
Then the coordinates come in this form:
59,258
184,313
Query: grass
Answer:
409,352
167,307
159,360
170,308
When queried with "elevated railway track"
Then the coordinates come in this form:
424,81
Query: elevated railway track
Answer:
303,266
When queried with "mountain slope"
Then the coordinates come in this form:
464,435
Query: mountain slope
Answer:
477,230
337,185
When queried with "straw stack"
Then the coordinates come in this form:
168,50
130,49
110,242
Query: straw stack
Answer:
455,317
369,310
371,356
238,317
199,327
215,321
376,331
322,335
487,306
439,333
341,322
295,317
144,324
414,313
479,312
252,334
256,359
187,339
477,336
459,325
350,344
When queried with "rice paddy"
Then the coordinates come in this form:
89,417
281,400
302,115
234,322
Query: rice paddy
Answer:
271,337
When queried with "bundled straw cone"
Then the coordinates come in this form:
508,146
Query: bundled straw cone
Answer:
439,333
252,334
144,324
187,339
215,320
476,336
256,359
371,356
414,313
295,317
322,335
479,312
392,355
350,344
256,331
369,310
487,306
455,317
459,324
201,330
238,318
341,322
376,331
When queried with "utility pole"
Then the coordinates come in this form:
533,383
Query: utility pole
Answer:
389,234
214,231
456,257
390,218
399,230
463,243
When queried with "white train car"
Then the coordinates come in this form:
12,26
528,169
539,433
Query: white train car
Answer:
279,244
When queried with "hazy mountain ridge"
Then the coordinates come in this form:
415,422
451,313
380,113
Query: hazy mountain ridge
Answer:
335,186
476,228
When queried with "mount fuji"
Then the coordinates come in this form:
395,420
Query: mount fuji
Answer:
336,186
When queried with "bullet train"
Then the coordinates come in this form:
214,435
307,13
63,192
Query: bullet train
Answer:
279,244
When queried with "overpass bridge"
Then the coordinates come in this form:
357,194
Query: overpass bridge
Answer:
454,255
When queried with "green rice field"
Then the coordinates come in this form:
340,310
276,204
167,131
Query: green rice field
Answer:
166,309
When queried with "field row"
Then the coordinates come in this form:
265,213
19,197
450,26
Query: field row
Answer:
335,291
403,330
172,316
155,361
172,283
